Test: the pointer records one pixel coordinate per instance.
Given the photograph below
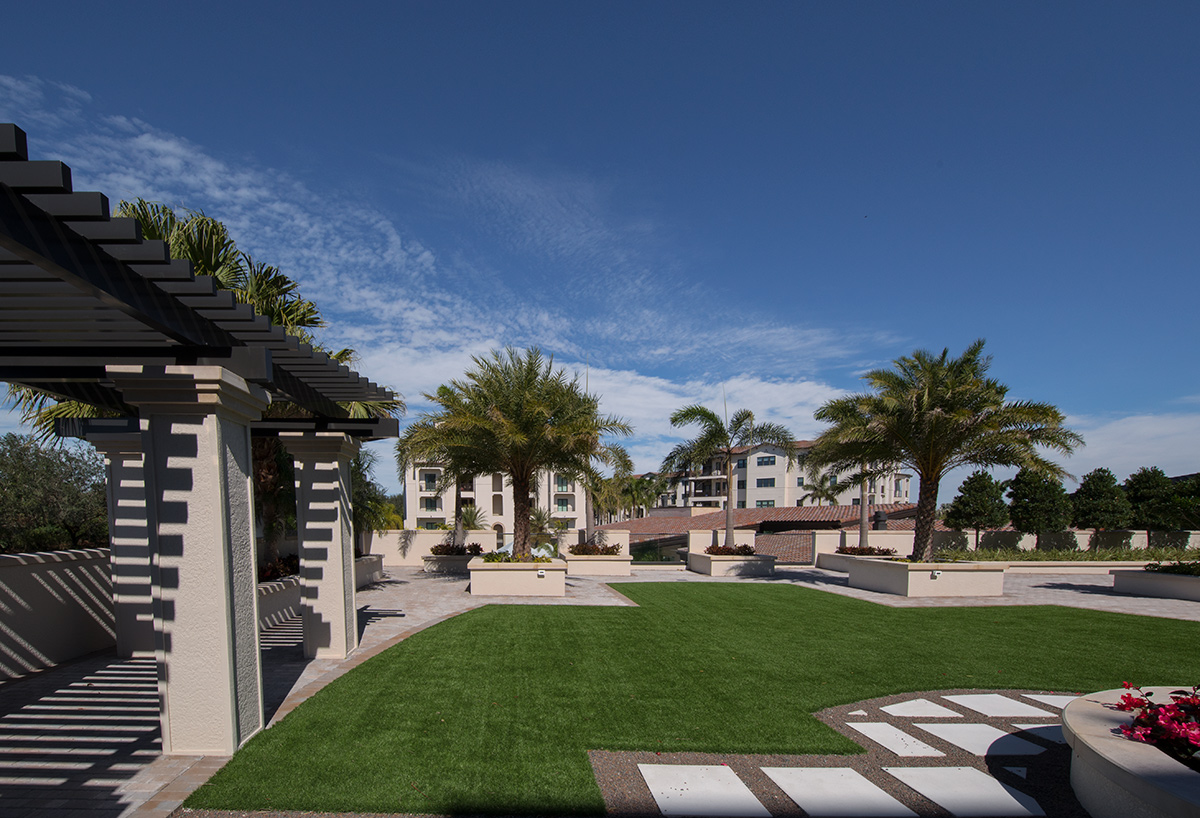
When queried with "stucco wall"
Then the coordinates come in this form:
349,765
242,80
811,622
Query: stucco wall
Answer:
54,606
406,547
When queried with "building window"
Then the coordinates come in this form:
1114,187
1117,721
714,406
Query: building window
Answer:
764,504
800,482
429,525
497,482
767,460
430,482
741,464
561,484
429,503
564,504
741,504
799,502
765,483
498,504
854,501
899,490
741,484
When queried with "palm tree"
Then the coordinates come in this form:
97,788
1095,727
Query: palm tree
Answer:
717,440
933,414
206,243
514,413
823,490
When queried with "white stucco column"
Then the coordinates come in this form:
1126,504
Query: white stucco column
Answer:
198,475
130,526
326,541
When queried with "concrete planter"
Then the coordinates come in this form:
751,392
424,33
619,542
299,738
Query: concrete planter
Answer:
928,578
1152,583
716,565
1114,777
597,565
518,578
446,564
367,570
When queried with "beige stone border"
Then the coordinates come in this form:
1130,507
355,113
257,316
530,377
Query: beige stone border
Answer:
720,565
597,565
1114,777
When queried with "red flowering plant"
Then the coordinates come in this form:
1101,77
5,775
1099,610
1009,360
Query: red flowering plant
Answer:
1173,727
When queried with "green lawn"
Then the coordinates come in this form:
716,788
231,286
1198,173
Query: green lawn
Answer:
493,711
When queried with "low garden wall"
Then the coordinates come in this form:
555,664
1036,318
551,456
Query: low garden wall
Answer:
278,601
55,606
902,541
407,547
1114,777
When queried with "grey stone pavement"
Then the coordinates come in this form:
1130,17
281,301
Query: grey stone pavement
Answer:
83,738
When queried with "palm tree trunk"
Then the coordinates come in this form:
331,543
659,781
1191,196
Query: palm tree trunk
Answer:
589,523
926,511
862,514
729,500
520,549
459,534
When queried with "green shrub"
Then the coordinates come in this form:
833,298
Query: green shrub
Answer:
866,551
730,550
1191,569
1072,555
593,549
496,556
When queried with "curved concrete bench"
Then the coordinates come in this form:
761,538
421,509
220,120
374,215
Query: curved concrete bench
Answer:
1114,777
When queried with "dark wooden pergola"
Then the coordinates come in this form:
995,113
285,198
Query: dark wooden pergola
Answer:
91,311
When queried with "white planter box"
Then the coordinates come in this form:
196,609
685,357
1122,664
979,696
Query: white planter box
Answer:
928,578
1115,777
446,563
716,565
597,565
1152,583
518,578
367,570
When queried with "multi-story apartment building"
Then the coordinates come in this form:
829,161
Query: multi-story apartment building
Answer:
424,507
764,479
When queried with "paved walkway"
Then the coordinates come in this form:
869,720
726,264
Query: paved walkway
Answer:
83,738
969,753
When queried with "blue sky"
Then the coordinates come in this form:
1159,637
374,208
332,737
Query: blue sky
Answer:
765,198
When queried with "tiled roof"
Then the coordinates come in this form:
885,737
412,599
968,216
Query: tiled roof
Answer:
790,549
754,517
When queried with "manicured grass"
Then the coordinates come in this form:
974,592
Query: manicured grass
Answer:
494,711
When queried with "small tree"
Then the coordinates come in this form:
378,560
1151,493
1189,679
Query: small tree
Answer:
1039,505
979,504
1100,503
50,496
1153,498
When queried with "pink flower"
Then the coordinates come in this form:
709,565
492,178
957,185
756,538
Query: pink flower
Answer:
1131,702
1137,733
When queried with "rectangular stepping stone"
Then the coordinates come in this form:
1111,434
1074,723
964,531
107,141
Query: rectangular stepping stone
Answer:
836,792
1050,732
995,706
966,791
1049,698
895,739
704,789
920,708
983,739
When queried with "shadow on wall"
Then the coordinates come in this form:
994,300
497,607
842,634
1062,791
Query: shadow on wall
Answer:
56,606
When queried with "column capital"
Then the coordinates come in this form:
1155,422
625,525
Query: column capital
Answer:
189,390
319,445
120,441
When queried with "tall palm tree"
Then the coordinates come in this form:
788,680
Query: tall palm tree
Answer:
514,413
207,244
822,490
717,440
933,413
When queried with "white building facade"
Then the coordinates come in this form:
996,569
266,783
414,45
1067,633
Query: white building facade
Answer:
425,508
763,478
